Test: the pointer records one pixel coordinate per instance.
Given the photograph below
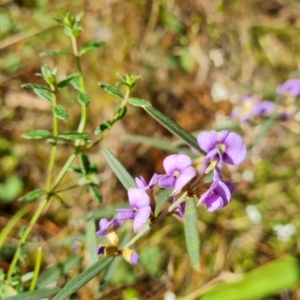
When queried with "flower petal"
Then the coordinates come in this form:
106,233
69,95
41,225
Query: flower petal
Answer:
235,152
207,140
141,182
176,162
213,202
141,216
125,214
138,198
185,177
167,181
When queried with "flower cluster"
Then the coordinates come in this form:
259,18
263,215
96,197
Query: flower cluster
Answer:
180,176
285,107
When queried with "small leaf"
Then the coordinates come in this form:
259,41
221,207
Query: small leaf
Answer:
34,86
83,278
173,127
86,165
94,189
111,90
37,134
84,99
138,102
35,295
90,46
60,112
74,136
123,175
44,94
55,53
105,125
33,195
68,80
191,232
120,113
76,83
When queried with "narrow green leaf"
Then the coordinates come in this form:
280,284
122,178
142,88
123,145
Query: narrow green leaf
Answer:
123,175
94,189
139,102
35,295
91,238
173,127
111,90
55,53
74,136
191,232
44,94
54,273
84,99
85,163
105,125
60,112
37,134
34,86
120,113
91,46
271,278
83,278
33,195
68,80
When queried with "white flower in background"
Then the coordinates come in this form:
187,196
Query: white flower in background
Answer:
219,92
217,57
253,214
284,232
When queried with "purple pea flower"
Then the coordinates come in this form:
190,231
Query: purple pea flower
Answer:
142,184
179,172
180,209
264,108
222,146
140,210
291,86
108,226
219,194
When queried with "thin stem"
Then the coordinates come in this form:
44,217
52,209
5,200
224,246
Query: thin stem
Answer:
68,188
54,147
37,266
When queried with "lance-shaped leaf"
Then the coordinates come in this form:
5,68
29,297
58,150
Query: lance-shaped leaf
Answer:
44,94
123,175
54,273
192,233
138,102
33,195
68,80
75,136
120,113
90,47
37,134
34,86
105,125
94,189
60,112
111,90
85,163
35,295
173,127
83,98
266,280
55,53
83,278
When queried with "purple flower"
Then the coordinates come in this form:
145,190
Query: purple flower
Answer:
180,209
179,172
108,226
219,194
142,184
222,146
264,108
291,86
131,256
140,210
245,112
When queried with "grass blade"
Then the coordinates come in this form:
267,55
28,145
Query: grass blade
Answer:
36,295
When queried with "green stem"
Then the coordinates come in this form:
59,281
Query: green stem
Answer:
37,266
67,188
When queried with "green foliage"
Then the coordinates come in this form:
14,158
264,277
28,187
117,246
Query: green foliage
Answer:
74,136
111,90
95,192
10,189
84,99
102,127
37,134
138,102
90,47
60,112
33,195
192,233
68,80
36,295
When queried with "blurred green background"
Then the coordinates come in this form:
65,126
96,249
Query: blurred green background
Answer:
197,59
